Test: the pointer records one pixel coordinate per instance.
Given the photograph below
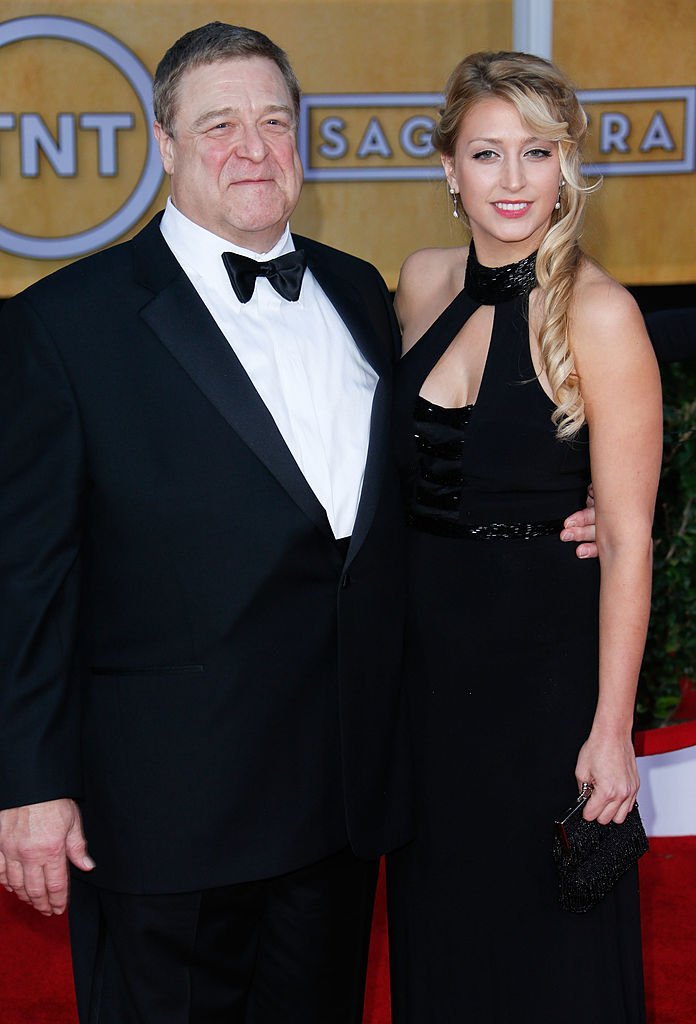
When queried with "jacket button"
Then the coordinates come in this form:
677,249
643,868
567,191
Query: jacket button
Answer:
345,582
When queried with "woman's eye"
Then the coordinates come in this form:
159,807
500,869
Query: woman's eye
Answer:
539,153
484,154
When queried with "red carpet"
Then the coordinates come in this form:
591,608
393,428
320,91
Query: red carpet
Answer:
668,902
36,987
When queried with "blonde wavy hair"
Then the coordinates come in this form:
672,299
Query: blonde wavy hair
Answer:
546,101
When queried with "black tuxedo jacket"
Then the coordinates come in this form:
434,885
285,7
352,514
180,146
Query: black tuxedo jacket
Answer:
183,647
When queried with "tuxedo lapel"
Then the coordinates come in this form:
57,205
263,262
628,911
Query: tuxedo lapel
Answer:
179,318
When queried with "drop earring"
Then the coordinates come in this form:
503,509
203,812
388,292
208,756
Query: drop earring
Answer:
558,201
455,209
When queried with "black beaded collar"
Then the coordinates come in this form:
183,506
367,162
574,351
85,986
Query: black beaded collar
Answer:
491,285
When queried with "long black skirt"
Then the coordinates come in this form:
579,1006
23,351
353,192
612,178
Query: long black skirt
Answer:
502,665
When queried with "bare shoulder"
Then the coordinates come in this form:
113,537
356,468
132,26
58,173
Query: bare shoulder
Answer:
427,271
603,311
429,280
613,353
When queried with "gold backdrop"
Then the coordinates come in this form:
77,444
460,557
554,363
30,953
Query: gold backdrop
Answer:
77,170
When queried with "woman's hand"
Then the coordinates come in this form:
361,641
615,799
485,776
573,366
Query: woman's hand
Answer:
609,763
620,384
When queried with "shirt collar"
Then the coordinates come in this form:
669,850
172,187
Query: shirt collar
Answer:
196,246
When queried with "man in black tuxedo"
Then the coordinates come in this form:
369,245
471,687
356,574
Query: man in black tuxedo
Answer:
201,582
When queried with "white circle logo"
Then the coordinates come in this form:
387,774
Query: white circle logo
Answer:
147,187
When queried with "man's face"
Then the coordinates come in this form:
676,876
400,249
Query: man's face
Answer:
233,158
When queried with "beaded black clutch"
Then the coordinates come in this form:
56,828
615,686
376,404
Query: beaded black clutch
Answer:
591,857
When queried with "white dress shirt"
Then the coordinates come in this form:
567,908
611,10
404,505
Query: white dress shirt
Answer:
300,357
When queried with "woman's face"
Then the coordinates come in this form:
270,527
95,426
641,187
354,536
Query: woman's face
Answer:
508,181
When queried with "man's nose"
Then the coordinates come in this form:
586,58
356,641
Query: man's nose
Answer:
251,144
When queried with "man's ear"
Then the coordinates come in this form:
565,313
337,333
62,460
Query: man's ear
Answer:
166,147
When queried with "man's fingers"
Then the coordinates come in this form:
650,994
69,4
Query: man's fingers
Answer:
45,887
579,534
35,841
580,529
587,551
56,881
15,879
35,888
585,539
583,517
76,847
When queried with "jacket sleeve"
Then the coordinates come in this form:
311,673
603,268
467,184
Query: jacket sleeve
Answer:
393,325
41,511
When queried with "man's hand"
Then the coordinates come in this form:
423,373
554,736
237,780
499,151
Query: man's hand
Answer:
580,527
36,843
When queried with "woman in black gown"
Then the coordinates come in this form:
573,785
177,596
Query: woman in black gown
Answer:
524,365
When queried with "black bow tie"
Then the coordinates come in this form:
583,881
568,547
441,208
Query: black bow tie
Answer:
284,273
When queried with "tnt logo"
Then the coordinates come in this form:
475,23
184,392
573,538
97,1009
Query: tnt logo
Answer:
78,164
35,139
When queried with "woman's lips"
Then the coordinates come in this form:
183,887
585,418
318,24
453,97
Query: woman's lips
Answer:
512,210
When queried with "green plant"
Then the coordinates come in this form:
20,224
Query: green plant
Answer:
670,653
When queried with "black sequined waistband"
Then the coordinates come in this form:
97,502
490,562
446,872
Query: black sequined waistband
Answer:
485,531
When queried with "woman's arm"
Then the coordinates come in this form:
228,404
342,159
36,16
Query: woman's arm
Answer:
620,385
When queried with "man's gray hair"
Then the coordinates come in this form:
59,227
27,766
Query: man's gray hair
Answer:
209,44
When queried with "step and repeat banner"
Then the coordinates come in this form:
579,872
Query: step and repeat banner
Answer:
79,170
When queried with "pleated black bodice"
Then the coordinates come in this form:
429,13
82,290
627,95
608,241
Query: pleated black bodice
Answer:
498,460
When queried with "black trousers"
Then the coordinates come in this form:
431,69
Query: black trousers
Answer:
287,950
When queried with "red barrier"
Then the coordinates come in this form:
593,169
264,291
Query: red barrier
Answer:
675,736
664,739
